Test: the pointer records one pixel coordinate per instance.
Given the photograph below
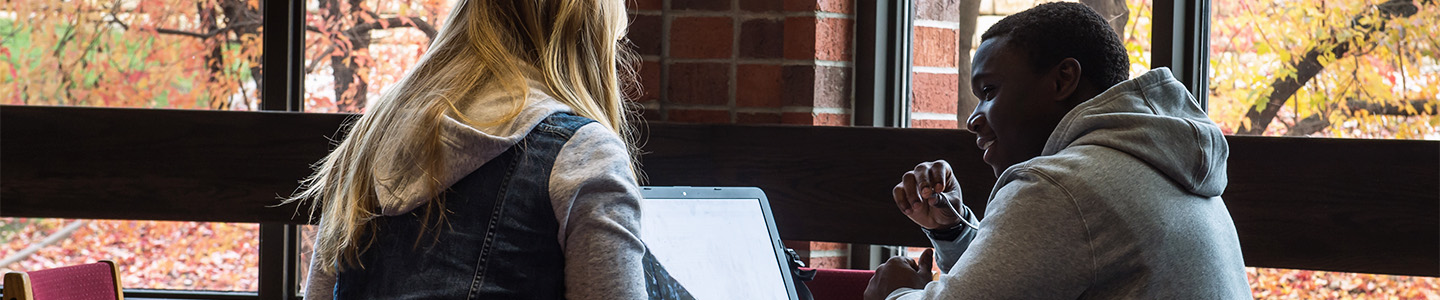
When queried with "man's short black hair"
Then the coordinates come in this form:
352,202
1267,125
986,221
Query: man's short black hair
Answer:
1051,32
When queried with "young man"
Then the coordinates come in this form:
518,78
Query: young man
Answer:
1108,188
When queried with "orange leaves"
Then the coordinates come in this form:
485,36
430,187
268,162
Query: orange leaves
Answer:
151,254
1305,284
375,42
97,53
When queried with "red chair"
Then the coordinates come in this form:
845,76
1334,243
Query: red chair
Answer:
839,284
98,281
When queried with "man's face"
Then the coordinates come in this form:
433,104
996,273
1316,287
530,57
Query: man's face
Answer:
1019,106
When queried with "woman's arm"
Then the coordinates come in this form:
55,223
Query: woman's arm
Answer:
597,204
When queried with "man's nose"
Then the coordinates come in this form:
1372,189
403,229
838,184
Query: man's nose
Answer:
977,120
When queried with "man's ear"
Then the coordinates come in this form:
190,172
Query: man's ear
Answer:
1067,79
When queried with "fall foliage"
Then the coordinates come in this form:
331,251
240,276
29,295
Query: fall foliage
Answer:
1358,69
150,254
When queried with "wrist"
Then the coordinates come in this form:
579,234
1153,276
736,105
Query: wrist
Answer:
946,233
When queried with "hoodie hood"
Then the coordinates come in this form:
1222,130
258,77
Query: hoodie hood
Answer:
1153,118
466,147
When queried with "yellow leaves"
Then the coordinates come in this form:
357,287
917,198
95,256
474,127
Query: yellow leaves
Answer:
1259,43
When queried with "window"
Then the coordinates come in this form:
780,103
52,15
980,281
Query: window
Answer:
1355,69
179,54
151,254
354,49
175,54
940,69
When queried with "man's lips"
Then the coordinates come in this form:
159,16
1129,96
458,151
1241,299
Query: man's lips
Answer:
984,143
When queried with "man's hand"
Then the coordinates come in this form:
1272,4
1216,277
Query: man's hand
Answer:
900,272
918,195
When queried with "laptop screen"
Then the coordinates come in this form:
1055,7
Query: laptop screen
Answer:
716,248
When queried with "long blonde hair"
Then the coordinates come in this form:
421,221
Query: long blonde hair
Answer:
574,44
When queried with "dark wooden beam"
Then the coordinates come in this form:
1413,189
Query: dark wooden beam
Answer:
1368,206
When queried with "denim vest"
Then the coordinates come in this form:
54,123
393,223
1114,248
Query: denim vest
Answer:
497,240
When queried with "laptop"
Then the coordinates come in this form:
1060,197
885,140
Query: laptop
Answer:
717,242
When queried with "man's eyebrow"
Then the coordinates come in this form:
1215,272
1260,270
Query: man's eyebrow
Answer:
977,77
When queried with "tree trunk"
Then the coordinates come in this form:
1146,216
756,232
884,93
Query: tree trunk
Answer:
350,91
214,59
1309,66
1114,11
239,12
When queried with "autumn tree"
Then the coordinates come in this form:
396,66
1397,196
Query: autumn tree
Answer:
174,54
1332,68
341,33
198,53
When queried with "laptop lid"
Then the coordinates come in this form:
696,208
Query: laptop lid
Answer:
718,242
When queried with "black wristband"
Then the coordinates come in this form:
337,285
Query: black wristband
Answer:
946,234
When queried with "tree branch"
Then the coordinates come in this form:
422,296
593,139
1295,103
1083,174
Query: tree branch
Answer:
1416,105
207,35
1309,66
49,240
394,22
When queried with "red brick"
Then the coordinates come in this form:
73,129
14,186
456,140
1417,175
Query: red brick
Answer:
836,6
832,39
757,118
945,124
758,86
824,246
699,83
819,119
839,262
649,79
762,38
935,47
761,5
701,37
710,5
644,32
938,10
817,86
818,38
935,93
797,118
645,4
832,119
800,38
698,116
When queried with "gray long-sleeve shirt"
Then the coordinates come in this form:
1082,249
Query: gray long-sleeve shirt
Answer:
1123,203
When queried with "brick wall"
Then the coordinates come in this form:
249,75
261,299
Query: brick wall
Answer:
749,62
935,66
745,61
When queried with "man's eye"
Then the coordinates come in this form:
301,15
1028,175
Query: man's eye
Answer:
985,92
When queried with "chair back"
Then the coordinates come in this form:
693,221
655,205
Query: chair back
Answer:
839,284
97,281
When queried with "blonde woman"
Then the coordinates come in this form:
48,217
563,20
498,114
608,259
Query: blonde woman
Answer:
498,167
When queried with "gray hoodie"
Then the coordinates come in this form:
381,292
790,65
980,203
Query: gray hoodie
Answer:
1123,203
596,200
